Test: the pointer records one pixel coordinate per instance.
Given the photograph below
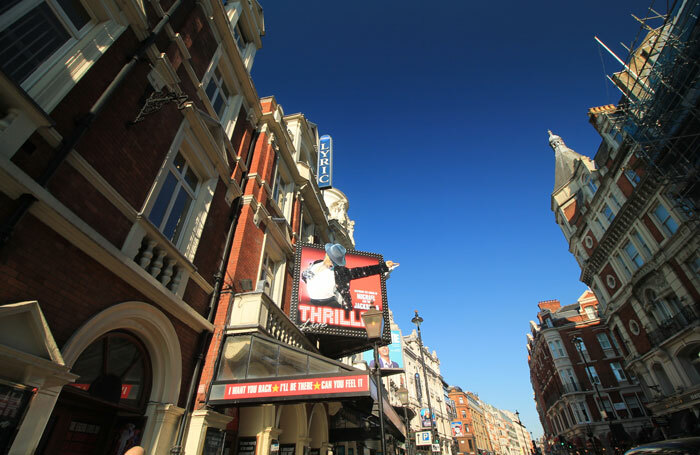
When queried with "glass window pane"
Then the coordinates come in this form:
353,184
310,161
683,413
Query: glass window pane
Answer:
177,215
75,12
263,359
122,355
211,88
179,163
30,41
89,364
319,366
191,179
291,363
162,201
234,358
218,103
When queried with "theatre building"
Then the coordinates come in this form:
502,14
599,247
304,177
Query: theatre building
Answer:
277,377
125,127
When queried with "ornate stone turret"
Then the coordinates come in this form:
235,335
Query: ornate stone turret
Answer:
565,161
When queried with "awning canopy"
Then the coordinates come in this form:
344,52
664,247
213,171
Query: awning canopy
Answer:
255,369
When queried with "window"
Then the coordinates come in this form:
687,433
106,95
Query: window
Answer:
633,405
668,224
592,375
172,207
580,412
605,405
567,377
556,348
464,414
694,265
614,202
604,341
632,176
218,93
268,270
633,255
241,42
281,191
617,371
590,183
640,241
461,400
622,266
607,213
33,31
591,312
582,350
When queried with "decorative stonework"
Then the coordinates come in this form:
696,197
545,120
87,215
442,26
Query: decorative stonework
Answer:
337,204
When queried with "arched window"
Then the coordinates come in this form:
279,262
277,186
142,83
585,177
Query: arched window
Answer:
116,369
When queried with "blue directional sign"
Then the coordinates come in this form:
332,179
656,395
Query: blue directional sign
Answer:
325,162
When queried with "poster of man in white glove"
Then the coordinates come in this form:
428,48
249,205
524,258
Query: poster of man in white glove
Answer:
335,286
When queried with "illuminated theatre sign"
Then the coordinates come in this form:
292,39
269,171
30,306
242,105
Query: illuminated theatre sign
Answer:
325,162
328,300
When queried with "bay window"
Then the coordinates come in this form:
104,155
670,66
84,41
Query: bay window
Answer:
668,224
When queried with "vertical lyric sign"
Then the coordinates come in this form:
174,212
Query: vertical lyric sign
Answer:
317,305
325,162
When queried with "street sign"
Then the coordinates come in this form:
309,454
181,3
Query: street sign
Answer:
423,438
436,448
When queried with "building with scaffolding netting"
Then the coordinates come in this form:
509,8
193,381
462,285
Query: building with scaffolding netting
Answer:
631,218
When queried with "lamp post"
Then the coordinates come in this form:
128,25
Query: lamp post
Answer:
373,319
577,341
417,320
403,398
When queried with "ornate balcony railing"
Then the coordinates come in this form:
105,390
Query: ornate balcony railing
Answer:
255,312
684,318
149,248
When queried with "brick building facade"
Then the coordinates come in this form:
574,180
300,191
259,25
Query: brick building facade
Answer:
630,215
584,396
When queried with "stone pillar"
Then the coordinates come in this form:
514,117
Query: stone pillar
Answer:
197,430
301,443
161,427
35,420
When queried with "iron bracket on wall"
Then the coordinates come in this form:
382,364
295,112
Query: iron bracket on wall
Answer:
157,100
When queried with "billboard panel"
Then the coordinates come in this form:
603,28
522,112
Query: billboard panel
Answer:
390,356
425,418
329,300
457,429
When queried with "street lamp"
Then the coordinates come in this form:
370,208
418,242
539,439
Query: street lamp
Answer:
373,319
403,398
417,320
577,341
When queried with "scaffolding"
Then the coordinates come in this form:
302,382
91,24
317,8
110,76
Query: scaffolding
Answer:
659,111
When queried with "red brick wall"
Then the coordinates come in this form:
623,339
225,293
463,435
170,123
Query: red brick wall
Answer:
658,236
625,186
641,342
608,270
70,286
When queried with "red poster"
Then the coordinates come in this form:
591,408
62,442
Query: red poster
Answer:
330,295
297,387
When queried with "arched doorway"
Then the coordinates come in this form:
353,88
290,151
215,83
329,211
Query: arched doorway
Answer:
103,411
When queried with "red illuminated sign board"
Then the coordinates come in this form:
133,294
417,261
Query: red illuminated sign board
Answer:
318,305
297,387
126,389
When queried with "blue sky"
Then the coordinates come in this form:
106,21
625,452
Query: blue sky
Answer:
439,114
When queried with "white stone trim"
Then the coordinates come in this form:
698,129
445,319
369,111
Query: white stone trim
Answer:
152,327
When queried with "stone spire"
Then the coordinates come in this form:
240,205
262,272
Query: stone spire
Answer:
565,161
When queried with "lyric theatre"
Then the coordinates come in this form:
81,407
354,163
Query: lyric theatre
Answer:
278,376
